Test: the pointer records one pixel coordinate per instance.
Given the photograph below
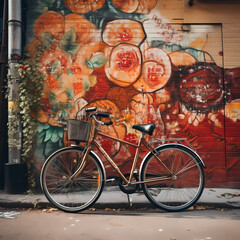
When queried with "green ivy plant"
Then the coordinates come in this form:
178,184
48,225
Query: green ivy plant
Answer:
28,104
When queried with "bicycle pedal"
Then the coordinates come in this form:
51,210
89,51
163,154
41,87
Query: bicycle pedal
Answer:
110,180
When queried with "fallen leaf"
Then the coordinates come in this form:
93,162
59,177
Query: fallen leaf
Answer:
227,195
212,190
200,208
141,209
204,207
49,210
236,194
221,209
107,209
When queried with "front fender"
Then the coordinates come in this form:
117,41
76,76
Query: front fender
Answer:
101,163
95,156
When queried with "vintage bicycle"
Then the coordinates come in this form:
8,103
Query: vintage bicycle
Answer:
171,175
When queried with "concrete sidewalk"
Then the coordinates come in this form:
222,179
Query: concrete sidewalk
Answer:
112,197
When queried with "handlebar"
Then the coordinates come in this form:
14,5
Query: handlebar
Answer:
91,109
95,115
101,115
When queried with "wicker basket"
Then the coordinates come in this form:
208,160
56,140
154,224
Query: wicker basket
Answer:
78,130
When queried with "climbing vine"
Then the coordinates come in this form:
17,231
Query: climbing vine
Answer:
27,105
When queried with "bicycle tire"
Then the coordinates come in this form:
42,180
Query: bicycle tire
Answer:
186,184
77,194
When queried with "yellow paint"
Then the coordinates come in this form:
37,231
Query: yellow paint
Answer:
197,42
126,117
93,80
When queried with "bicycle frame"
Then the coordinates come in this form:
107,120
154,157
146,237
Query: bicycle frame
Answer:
141,141
171,174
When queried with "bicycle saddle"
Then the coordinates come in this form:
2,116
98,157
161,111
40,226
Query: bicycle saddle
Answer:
145,128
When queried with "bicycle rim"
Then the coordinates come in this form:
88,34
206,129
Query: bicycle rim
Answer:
76,194
181,189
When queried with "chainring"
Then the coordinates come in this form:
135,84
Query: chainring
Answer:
130,189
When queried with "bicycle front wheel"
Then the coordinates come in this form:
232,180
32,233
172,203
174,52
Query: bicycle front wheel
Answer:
79,193
176,182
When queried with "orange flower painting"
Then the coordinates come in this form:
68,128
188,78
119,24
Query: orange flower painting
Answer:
138,6
156,70
84,6
124,65
123,31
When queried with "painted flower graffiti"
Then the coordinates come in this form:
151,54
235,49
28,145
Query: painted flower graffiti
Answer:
124,65
123,31
138,6
83,6
156,70
120,66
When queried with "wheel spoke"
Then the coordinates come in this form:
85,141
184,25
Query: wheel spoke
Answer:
188,166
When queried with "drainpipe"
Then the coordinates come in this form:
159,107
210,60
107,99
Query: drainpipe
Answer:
14,57
3,100
15,171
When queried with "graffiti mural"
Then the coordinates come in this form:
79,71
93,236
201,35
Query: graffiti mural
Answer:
126,59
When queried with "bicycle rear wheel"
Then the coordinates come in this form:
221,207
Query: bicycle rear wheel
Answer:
79,193
179,190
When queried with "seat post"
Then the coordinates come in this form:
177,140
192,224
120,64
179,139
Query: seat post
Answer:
140,139
136,157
